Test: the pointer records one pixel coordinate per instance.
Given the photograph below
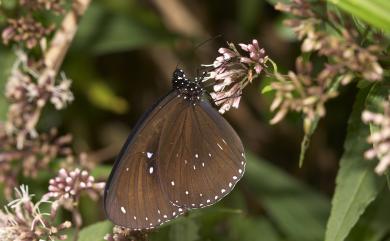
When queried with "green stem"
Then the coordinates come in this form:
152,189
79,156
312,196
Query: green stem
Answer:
313,125
306,140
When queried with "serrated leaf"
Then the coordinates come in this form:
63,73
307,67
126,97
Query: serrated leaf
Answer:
356,185
95,232
299,212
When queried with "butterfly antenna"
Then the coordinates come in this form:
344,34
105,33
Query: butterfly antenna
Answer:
206,41
200,45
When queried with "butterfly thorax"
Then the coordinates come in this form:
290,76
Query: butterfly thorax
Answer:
190,90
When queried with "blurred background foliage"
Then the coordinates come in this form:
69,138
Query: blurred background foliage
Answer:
121,62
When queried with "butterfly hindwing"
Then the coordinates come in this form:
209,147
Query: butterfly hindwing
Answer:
204,159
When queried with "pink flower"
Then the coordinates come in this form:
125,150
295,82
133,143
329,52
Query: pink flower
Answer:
233,71
256,54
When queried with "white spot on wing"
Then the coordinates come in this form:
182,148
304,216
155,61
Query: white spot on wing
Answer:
234,177
187,192
123,210
135,218
173,183
208,201
209,154
196,155
223,190
220,147
149,154
224,141
230,184
239,171
151,169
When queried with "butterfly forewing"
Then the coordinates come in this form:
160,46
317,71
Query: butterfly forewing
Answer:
133,195
204,160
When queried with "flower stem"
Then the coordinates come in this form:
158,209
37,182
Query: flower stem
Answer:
62,39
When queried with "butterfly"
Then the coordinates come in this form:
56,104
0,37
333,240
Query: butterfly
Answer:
181,155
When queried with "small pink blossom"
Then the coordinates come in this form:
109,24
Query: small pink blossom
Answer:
69,184
233,71
257,55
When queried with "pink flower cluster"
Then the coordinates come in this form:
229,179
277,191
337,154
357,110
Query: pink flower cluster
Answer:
232,71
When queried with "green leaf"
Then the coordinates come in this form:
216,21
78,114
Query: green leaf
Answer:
250,229
95,231
267,89
104,30
299,212
356,185
102,96
123,33
374,12
101,171
373,225
186,230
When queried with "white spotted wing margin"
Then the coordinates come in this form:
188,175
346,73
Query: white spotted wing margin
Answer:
204,159
133,197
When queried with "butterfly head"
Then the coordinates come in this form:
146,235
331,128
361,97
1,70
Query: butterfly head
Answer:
190,90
